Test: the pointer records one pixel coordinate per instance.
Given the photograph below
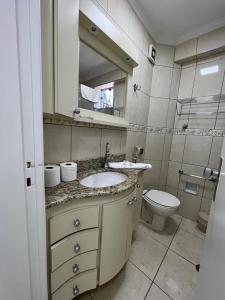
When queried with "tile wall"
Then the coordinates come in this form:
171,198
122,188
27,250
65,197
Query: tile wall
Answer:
200,145
65,142
164,92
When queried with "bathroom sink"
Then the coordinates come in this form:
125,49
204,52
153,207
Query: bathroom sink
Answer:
103,179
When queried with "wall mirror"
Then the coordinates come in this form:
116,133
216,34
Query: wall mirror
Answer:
102,84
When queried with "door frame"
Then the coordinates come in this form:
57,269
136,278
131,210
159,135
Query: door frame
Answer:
28,14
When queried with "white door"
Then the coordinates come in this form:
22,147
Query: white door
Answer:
212,271
22,214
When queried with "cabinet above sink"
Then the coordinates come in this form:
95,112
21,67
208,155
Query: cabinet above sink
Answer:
64,36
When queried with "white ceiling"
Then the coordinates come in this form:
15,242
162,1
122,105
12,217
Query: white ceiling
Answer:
175,21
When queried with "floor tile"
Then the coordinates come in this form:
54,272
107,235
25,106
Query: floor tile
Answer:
129,284
191,227
165,237
177,277
188,245
146,253
156,293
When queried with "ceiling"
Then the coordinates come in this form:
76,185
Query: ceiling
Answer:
175,21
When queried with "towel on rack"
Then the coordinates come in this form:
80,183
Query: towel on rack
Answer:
90,94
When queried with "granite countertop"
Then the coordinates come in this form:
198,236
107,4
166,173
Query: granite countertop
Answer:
69,191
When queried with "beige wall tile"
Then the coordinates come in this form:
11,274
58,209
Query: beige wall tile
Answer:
197,150
163,173
171,114
164,55
57,143
177,148
209,84
158,111
152,177
214,159
172,190
206,205
186,82
175,83
211,41
154,146
86,142
173,175
190,205
113,137
186,50
161,82
167,146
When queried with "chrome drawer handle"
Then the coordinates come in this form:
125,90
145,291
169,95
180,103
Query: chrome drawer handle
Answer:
130,202
76,223
76,291
75,268
134,199
76,248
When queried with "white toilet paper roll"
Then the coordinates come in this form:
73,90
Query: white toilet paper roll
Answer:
68,171
52,175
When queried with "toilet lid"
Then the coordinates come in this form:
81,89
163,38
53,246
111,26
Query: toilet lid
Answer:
163,198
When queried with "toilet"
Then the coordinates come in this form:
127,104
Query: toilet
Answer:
159,205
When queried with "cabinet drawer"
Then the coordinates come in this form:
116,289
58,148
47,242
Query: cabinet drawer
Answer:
73,245
74,266
73,221
77,285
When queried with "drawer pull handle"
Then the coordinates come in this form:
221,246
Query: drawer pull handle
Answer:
138,186
134,199
75,268
130,202
77,248
76,223
76,291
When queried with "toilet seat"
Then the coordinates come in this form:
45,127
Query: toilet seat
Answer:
162,199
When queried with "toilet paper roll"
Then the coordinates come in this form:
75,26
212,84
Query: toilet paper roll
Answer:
52,175
68,171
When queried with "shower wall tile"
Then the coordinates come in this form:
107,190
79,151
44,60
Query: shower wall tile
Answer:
209,78
186,82
177,148
197,150
173,174
174,90
214,159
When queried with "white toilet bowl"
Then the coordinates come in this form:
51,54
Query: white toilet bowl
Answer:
161,205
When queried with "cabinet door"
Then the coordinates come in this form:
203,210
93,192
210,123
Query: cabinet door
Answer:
66,55
115,237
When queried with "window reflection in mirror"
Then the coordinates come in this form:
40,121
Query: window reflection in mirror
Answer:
102,84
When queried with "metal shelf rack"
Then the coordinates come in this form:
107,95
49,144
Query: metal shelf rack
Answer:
201,106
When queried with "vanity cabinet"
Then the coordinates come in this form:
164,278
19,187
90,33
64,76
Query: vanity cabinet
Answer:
116,236
89,241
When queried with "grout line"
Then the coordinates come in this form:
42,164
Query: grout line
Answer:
182,257
140,270
164,292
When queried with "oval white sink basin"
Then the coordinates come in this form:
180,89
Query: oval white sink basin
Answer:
104,179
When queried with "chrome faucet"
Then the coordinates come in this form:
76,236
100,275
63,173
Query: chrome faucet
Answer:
107,155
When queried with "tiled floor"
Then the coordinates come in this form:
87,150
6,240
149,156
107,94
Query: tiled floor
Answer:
161,265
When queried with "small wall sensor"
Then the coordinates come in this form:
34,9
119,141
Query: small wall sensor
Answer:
152,53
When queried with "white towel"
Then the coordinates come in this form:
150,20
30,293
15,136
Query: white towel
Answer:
90,94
